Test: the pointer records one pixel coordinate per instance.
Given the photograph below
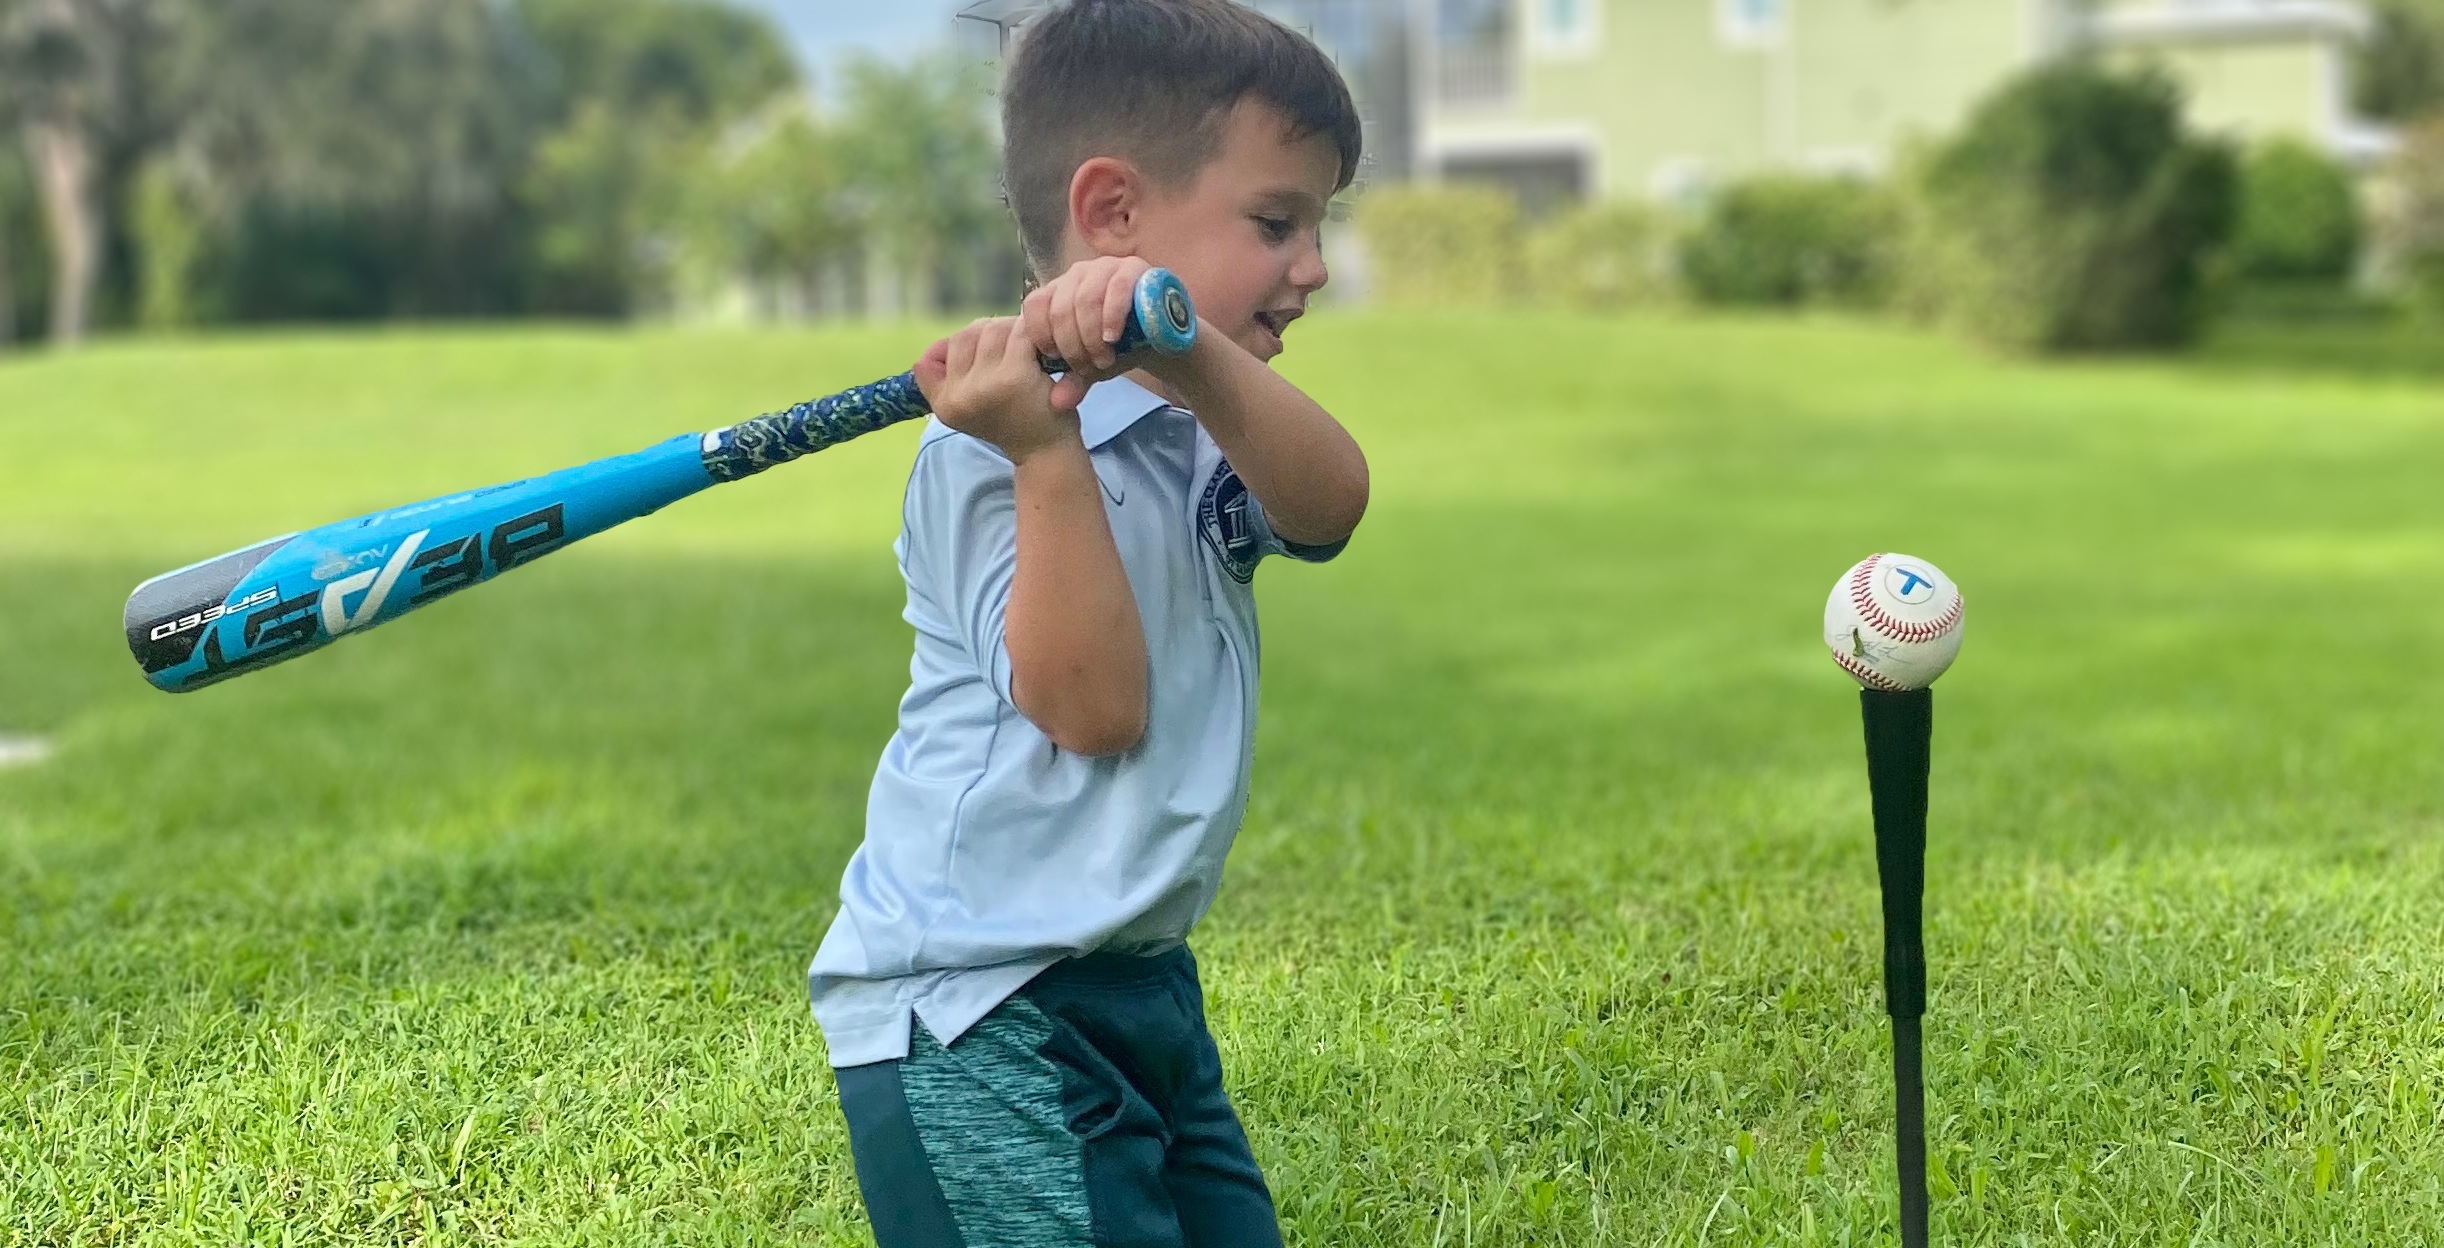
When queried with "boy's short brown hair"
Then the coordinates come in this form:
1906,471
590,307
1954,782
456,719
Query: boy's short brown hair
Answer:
1152,82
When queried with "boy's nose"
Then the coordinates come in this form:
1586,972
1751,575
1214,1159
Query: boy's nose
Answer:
1309,273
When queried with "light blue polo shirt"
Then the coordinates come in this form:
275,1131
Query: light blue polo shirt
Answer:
990,853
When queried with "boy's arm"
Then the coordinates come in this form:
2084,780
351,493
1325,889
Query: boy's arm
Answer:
1303,467
1070,627
1077,646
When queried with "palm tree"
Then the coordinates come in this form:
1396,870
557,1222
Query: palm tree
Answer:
59,52
13,99
8,126
67,96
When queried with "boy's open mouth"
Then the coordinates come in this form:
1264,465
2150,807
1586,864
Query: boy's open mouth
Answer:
1276,322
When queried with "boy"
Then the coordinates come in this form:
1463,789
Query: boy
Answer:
1006,991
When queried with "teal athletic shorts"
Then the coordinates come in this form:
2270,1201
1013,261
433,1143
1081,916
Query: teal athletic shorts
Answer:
1085,1112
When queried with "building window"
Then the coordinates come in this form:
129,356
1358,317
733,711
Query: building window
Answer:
1473,52
1472,21
1752,23
1567,25
1566,20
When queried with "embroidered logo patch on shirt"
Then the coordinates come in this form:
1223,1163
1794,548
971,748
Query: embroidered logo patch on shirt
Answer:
1224,515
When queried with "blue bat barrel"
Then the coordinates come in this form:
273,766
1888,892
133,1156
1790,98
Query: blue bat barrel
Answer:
292,595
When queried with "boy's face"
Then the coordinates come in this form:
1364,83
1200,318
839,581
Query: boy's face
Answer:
1246,232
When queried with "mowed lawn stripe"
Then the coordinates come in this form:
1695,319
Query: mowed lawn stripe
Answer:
1554,918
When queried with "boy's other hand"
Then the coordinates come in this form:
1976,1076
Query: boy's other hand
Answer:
984,382
1078,317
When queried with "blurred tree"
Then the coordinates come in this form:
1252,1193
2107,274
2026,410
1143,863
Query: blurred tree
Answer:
251,159
2400,73
593,195
766,218
169,237
2299,216
357,103
693,61
66,60
283,158
12,186
2073,213
920,160
402,125
2411,227
636,94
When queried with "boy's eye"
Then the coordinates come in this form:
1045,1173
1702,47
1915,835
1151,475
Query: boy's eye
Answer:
1278,229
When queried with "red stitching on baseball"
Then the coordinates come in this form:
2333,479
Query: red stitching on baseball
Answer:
1871,613
1868,676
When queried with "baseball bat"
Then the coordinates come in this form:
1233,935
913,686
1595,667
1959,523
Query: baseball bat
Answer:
1900,737
292,595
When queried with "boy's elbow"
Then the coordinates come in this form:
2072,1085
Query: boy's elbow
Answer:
1341,509
1102,733
1090,725
1093,703
1329,527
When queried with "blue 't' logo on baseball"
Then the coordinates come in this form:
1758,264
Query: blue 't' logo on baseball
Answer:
1910,585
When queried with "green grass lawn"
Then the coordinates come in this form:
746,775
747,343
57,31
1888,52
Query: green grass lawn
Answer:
1554,920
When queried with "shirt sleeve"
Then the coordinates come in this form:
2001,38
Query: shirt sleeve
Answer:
1271,543
959,548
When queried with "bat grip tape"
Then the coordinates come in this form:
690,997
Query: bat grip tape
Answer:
751,446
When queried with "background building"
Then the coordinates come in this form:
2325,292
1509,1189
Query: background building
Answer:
1564,99
1567,98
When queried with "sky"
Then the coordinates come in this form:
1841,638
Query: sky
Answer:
823,30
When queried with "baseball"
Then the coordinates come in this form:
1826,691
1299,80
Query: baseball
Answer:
1893,622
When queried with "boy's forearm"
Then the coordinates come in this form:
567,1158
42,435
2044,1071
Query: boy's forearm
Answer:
1077,647
1302,466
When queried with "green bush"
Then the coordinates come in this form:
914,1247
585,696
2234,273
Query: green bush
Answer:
2299,216
2073,213
1601,256
1785,241
1442,246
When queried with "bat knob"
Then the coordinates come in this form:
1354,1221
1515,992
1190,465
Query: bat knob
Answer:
1165,319
1162,319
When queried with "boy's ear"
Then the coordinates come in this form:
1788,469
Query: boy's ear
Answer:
1106,195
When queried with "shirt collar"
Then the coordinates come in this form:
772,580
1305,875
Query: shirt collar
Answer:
1111,407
